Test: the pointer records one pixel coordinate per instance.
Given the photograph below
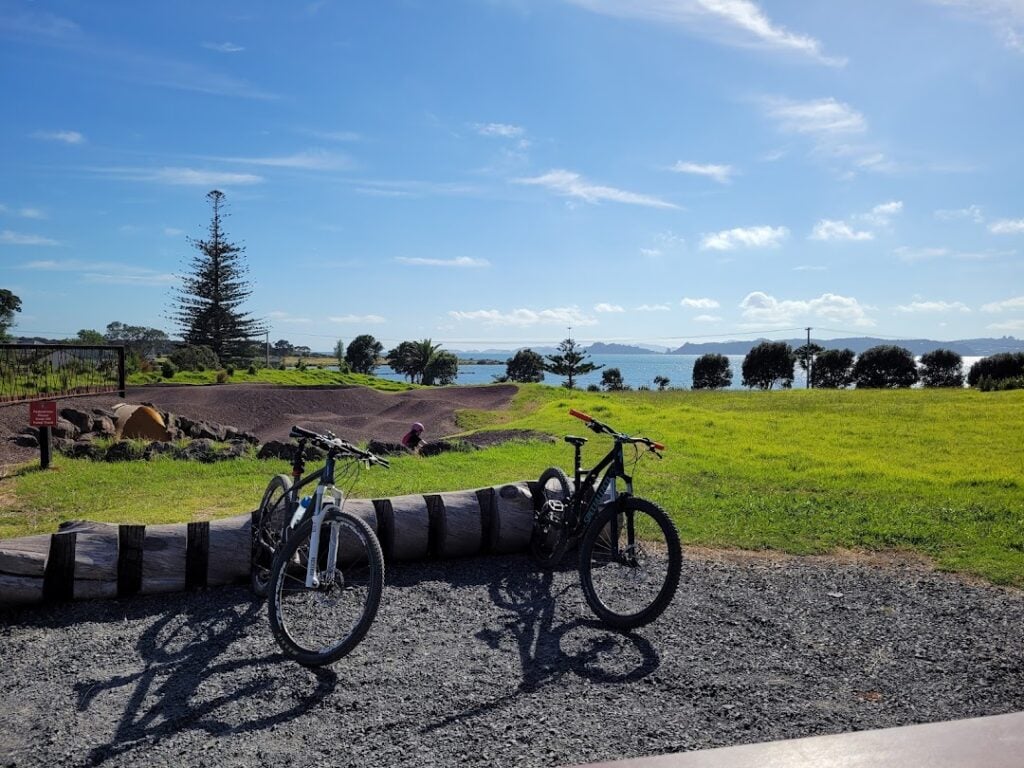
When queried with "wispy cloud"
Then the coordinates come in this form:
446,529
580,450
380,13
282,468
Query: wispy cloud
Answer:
605,307
907,253
760,308
338,136
707,319
358,319
1016,304
173,232
65,137
31,213
198,177
971,212
720,173
654,308
744,237
819,118
459,261
104,272
560,316
699,303
313,160
1007,227
933,307
1006,17
810,268
570,184
7,237
733,22
503,130
223,47
828,230
281,316
882,215
413,188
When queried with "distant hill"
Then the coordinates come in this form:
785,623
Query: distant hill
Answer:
600,348
965,347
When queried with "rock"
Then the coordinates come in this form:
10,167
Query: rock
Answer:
233,433
65,429
275,449
382,448
62,444
445,446
85,449
26,440
123,450
202,430
235,450
102,424
159,448
200,450
81,419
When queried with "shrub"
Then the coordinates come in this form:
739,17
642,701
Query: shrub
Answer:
832,369
1004,365
230,370
252,369
168,369
767,363
191,357
222,377
885,367
593,388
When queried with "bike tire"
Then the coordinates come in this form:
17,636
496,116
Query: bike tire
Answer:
630,563
267,529
550,538
319,625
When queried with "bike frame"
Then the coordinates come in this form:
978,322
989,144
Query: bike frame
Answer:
614,467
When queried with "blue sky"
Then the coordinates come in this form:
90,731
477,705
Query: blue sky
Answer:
490,173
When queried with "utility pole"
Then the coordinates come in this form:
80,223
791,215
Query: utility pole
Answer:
268,347
810,363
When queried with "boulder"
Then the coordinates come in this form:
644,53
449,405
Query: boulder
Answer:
433,448
382,448
123,450
65,429
85,449
139,421
26,440
200,450
159,448
102,424
81,419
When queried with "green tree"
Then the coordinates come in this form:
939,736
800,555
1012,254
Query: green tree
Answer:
442,369
661,382
411,358
339,353
768,363
525,366
942,368
611,380
805,357
9,306
207,305
571,363
712,371
833,369
140,340
89,336
997,367
363,353
885,367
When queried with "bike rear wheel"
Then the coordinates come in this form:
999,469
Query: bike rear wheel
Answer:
630,561
267,529
320,624
550,537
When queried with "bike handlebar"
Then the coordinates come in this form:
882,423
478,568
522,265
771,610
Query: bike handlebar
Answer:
337,445
599,426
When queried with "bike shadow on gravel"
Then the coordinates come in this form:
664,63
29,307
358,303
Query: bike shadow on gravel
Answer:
197,676
550,647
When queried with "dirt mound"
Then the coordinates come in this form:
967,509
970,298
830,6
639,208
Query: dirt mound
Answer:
355,413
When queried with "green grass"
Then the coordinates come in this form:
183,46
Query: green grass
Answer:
309,377
933,472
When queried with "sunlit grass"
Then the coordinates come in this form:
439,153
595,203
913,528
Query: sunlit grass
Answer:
927,471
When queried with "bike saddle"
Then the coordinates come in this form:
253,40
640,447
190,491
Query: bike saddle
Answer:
577,441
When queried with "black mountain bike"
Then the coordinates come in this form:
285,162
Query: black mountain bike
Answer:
326,571
630,555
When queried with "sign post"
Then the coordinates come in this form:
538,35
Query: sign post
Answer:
43,414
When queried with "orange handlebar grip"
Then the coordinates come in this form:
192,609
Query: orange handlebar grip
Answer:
579,415
659,446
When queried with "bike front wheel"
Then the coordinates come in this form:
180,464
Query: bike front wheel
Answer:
267,529
630,561
319,624
550,536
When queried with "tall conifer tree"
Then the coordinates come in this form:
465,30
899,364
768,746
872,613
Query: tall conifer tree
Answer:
207,303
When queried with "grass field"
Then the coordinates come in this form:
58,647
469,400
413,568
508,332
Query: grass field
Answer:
309,377
934,472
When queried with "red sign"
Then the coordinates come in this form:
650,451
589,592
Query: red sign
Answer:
43,414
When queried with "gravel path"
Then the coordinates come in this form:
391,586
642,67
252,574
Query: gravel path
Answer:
491,662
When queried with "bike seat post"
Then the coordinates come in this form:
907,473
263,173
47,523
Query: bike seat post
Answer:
577,466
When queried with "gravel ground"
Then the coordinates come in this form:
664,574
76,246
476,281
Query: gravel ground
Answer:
489,661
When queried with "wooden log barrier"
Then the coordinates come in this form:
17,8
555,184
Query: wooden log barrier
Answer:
100,560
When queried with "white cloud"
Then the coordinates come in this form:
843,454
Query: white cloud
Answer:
881,215
720,173
561,316
143,277
1009,325
173,232
7,237
822,117
650,253
654,308
1015,304
313,160
971,212
744,237
906,253
570,184
104,272
762,309
223,47
31,213
66,137
916,307
1007,227
827,230
459,261
699,303
604,307
1006,17
358,319
810,268
707,319
735,22
503,130
183,176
